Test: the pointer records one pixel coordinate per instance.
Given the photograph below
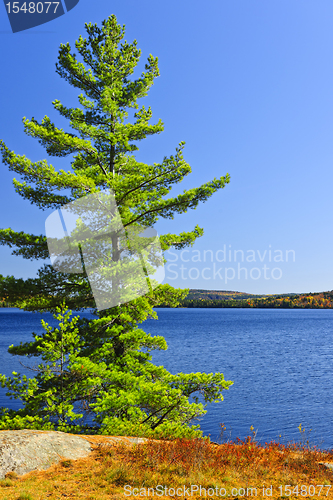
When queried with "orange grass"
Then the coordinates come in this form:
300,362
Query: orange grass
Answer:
240,469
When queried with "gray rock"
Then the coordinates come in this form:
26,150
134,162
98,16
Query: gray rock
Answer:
22,451
328,465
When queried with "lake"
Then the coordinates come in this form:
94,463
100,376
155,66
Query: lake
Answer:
281,362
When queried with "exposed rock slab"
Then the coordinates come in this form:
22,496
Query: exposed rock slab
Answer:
101,440
328,465
23,451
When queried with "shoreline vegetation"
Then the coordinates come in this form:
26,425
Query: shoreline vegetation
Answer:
3,303
182,468
229,299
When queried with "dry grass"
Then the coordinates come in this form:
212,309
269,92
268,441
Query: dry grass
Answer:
232,466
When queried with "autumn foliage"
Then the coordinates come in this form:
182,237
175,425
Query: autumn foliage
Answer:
322,300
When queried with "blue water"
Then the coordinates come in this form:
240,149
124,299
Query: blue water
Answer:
281,362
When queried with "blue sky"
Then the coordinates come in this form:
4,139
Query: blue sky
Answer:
249,86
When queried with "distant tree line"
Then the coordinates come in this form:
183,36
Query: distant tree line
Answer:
3,303
322,300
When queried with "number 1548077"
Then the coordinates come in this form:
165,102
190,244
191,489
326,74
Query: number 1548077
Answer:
32,7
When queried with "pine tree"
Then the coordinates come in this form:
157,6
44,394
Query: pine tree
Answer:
114,378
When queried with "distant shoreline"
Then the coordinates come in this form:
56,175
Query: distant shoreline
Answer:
220,299
229,299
